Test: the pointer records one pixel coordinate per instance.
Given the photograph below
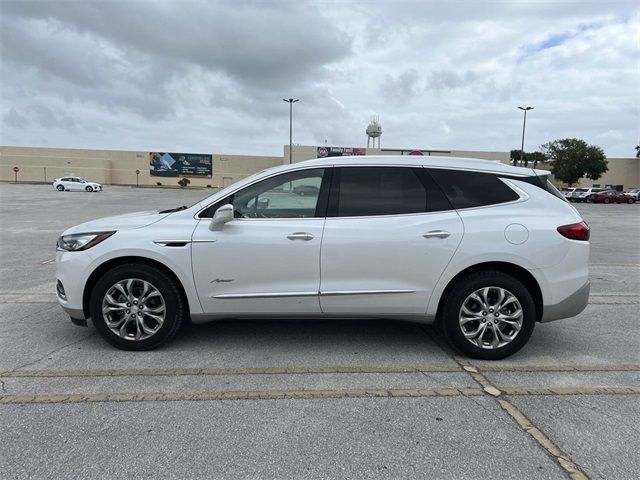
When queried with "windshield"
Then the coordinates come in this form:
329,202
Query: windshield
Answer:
582,189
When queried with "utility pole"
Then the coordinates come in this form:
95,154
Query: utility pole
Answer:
290,101
524,124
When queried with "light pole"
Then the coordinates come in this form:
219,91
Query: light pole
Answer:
524,124
290,101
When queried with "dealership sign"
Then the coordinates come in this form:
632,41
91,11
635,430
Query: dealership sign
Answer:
340,151
165,164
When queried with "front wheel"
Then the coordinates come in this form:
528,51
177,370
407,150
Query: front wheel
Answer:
631,200
606,200
89,189
137,307
488,315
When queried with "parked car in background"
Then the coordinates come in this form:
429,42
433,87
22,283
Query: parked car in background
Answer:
583,194
567,192
303,190
67,184
635,193
486,250
611,196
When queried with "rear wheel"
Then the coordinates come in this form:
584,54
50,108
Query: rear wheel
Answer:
137,307
488,315
60,188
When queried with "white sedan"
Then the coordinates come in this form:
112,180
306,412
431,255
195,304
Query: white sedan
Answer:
75,183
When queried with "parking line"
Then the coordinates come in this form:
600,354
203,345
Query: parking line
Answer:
239,395
306,394
314,394
156,372
161,372
564,461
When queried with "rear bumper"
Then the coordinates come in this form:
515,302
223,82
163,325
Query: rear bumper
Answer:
569,307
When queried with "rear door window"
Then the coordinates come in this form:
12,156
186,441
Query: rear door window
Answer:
468,189
374,191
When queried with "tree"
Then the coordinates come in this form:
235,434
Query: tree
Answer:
571,159
529,157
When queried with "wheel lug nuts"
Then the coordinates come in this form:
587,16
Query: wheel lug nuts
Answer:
135,302
496,314
139,314
128,304
491,310
128,311
484,320
133,315
489,323
484,313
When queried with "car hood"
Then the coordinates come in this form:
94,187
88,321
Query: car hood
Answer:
127,221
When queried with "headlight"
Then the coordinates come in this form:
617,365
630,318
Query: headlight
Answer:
82,241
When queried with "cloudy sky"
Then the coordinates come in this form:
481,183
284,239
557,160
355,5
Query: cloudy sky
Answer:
210,76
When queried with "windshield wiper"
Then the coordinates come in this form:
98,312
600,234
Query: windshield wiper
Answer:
171,210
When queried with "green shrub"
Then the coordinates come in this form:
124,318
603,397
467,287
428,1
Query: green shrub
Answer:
183,182
159,184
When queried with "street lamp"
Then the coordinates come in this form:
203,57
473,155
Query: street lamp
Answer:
524,124
290,101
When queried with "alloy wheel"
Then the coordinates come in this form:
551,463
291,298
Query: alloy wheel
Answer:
133,309
491,317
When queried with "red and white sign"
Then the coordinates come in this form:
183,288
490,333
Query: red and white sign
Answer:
16,169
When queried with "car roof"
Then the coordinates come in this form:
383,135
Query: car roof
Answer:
426,160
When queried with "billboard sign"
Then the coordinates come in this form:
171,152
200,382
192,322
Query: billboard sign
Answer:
194,165
340,151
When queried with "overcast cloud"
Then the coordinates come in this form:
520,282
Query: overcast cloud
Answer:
209,76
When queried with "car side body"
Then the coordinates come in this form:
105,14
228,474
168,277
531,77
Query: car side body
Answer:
635,193
355,251
582,194
71,183
610,196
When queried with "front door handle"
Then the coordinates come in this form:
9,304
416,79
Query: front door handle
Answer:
300,236
436,234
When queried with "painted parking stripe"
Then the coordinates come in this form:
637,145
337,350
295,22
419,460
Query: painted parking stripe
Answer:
307,394
239,395
157,372
153,372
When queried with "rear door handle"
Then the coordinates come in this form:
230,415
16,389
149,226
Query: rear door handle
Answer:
300,236
436,234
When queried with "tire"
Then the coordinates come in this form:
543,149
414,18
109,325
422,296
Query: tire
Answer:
170,299
631,200
60,188
89,189
606,200
459,296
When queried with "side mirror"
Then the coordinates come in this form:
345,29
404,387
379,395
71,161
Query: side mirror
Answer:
223,215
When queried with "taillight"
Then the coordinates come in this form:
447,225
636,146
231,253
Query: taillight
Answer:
575,231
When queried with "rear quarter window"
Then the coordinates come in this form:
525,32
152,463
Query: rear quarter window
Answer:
467,189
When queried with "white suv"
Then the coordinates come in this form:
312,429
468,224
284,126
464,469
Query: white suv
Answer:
484,249
583,194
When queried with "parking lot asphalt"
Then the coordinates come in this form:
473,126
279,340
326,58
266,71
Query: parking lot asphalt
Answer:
308,399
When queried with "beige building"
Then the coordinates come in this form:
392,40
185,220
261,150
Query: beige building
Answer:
114,167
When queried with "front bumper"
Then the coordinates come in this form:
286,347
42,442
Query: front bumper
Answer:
569,307
71,268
